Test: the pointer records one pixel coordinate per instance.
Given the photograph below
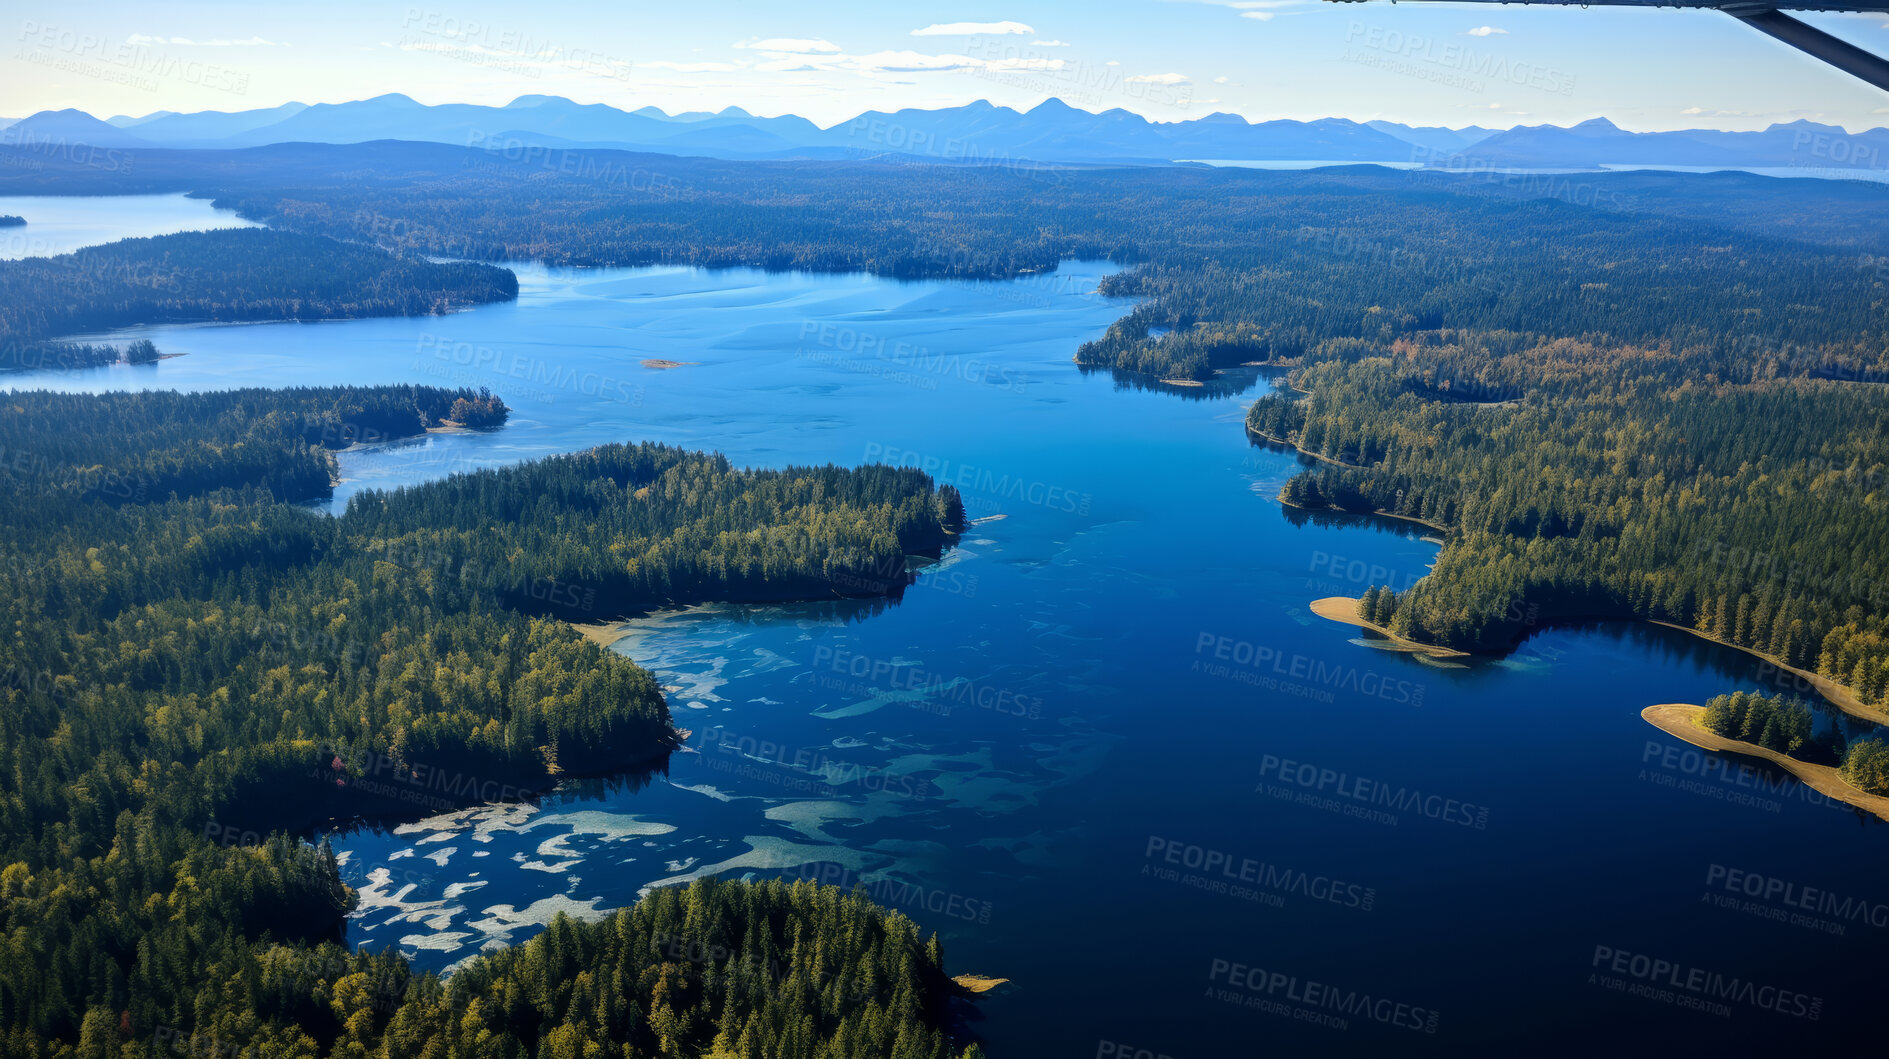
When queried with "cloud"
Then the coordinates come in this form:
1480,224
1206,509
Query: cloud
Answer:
791,45
908,61
690,68
1049,44
1158,79
545,59
247,42
1257,10
1484,31
1693,112
1226,81
897,61
971,29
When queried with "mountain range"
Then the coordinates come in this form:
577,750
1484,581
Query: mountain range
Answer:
975,133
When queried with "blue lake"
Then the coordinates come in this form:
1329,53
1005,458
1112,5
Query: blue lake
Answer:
61,224
1103,748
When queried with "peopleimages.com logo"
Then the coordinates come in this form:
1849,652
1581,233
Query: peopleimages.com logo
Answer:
1369,792
1671,982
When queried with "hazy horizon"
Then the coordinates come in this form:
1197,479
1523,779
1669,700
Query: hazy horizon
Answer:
1167,60
138,118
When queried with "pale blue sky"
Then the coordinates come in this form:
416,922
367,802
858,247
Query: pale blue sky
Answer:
1455,64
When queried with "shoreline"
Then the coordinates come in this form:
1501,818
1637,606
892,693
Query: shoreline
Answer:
1319,456
1681,721
1344,610
1839,695
1364,514
601,633
1271,440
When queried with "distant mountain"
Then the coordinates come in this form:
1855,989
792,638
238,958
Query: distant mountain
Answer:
61,127
208,126
125,121
1434,138
1328,139
1055,131
1600,142
975,133
389,117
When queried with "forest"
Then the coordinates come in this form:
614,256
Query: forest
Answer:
1623,482
1234,266
662,526
232,274
192,654
158,445
1616,395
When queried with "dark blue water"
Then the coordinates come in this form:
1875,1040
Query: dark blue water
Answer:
1103,748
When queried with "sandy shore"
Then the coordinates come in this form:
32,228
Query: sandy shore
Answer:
664,365
601,633
1345,609
1839,695
977,983
1682,721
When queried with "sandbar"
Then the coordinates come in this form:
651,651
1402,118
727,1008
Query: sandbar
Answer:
1344,609
1683,721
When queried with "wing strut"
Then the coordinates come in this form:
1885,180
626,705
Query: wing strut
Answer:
1812,41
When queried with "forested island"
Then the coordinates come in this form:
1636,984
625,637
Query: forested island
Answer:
233,274
193,656
663,527
8,220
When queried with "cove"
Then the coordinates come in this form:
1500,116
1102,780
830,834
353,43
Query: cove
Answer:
57,224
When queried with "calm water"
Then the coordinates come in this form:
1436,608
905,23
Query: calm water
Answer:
1066,749
1252,163
60,225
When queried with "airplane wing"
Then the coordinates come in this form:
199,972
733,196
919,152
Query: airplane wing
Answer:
1767,18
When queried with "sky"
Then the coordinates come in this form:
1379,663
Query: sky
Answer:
1169,60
